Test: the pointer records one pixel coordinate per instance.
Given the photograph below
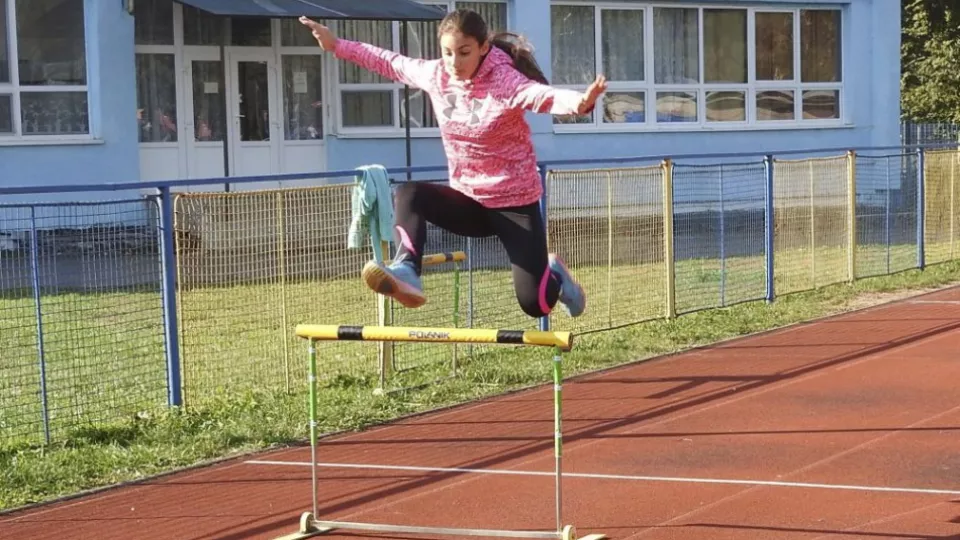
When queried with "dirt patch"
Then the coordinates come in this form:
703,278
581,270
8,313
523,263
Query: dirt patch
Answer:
870,299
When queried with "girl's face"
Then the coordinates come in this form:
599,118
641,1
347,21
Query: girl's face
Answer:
461,54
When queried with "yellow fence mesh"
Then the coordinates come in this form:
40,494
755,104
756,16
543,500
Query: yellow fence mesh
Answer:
811,214
251,266
942,201
607,224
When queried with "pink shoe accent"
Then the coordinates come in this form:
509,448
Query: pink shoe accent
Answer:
405,240
544,307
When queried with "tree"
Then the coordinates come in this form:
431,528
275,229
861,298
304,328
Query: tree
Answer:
930,60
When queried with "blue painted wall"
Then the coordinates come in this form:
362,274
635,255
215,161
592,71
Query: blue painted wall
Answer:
111,155
870,53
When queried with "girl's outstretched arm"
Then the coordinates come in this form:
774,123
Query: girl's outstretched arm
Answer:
411,71
541,98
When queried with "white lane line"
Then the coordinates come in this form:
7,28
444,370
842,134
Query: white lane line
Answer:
610,477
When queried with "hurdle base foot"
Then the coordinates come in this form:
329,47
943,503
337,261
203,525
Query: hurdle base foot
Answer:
307,529
570,533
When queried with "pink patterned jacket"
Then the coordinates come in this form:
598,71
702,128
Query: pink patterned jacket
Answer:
487,140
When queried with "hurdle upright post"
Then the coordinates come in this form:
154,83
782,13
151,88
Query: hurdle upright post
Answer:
387,352
559,341
385,349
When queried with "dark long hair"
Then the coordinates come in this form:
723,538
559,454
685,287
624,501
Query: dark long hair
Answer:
470,23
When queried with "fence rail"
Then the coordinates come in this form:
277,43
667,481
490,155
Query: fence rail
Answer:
110,308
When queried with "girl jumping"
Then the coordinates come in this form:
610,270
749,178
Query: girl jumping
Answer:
480,89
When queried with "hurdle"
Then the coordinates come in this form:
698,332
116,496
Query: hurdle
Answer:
385,353
560,342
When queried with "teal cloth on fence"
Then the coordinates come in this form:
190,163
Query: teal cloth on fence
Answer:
372,210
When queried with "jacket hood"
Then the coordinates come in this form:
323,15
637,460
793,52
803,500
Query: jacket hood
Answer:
495,58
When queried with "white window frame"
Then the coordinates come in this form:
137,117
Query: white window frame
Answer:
751,87
396,89
176,50
14,89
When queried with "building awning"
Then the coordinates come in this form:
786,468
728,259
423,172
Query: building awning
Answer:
389,10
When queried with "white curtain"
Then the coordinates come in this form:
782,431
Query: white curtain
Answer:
622,36
676,46
573,58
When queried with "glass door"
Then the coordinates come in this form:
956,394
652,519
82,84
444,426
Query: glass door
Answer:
204,120
255,127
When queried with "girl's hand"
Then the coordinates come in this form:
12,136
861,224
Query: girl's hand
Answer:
325,38
598,87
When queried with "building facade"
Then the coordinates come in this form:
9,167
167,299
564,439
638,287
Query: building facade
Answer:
90,93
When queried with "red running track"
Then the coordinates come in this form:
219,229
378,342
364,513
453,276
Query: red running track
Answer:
843,428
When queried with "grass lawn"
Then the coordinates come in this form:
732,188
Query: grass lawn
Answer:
244,374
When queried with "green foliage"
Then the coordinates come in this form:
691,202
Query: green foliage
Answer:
930,60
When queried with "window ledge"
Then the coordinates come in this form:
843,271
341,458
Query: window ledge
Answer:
388,134
699,128
51,140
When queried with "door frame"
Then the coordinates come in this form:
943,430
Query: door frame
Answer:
191,55
235,55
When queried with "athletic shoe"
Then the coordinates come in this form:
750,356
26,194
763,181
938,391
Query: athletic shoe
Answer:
572,296
398,281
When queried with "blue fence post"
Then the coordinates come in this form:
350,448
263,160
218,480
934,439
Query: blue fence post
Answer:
768,224
545,320
886,216
168,267
921,213
723,253
41,354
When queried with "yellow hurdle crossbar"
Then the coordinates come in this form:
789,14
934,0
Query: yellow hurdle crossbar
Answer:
311,526
435,259
333,332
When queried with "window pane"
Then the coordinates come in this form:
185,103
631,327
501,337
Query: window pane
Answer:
156,97
725,45
251,32
50,43
302,97
573,45
208,121
253,82
624,107
4,53
6,114
775,105
676,44
366,109
726,106
54,113
379,33
821,104
294,34
774,46
676,107
153,22
495,13
820,58
201,28
421,110
621,32
422,42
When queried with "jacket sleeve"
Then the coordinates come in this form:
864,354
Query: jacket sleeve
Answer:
411,71
540,98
